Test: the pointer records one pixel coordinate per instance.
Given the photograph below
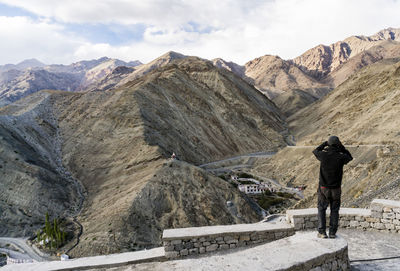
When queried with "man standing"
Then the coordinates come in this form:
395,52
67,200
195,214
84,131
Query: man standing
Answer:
333,156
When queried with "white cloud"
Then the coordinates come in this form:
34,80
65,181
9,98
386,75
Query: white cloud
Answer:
236,30
23,38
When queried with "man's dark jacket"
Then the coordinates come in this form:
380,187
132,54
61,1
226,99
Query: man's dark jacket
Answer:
332,158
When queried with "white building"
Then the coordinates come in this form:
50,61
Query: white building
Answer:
253,188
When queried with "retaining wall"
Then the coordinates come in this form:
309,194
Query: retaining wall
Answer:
383,215
200,240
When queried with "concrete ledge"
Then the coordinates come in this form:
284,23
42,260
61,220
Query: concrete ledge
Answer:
303,251
210,231
106,261
386,203
199,240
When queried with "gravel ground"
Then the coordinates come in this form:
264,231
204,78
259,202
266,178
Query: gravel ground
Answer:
364,245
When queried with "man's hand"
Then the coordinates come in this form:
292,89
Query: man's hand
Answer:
322,146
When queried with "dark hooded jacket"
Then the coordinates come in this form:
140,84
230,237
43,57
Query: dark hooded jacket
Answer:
332,158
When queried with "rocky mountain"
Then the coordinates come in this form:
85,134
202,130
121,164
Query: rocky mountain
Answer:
121,76
26,64
319,61
18,81
273,76
363,112
118,143
230,66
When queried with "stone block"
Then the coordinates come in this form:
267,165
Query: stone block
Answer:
169,248
220,238
279,235
202,250
232,245
184,252
386,221
313,218
176,242
196,244
389,226
396,222
354,224
188,245
193,251
387,209
359,218
244,238
372,219
202,239
194,240
397,216
376,207
224,246
298,220
171,254
310,225
179,247
389,215
364,224
212,247
254,236
206,244
344,223
376,214
379,226
232,241
396,210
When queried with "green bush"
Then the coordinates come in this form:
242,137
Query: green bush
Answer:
52,232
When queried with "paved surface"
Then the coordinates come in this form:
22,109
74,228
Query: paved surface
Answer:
25,251
365,245
278,255
106,261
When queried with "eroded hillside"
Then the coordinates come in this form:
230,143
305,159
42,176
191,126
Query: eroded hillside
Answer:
118,143
363,112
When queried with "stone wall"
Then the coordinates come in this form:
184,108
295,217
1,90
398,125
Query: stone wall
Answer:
200,240
383,215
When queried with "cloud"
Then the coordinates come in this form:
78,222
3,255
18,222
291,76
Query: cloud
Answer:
232,29
23,38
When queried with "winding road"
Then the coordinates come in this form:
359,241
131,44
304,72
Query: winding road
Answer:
25,250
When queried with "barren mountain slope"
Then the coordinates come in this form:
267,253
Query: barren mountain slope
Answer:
117,143
385,49
273,76
292,101
319,61
363,112
32,179
19,82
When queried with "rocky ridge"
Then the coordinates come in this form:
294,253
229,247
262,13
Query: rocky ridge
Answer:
117,143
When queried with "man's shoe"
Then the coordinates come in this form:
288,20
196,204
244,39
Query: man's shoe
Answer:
332,236
322,235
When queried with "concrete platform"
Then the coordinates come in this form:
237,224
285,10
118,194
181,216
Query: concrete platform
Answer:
299,249
97,262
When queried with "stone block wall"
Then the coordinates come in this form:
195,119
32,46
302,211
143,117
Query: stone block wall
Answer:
200,240
338,260
383,215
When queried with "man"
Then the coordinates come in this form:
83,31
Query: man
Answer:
333,156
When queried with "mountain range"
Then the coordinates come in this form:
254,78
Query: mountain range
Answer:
93,140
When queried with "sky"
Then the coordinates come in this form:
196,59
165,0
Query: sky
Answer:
63,32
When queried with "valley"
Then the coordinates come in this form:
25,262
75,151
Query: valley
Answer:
96,148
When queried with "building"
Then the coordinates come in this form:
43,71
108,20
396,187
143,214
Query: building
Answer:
253,188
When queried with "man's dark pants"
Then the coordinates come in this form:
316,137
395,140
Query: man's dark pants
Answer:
328,196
